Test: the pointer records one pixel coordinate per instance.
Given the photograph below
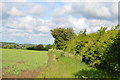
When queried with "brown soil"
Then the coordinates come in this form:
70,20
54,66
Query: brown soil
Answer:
25,74
31,73
21,62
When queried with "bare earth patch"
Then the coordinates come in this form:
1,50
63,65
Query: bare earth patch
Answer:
21,62
25,74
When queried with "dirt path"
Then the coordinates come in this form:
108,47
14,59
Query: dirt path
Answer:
31,73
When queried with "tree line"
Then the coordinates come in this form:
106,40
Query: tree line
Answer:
10,45
40,47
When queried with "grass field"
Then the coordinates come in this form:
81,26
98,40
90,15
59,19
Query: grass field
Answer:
15,61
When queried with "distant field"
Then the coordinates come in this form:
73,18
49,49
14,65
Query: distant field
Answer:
15,61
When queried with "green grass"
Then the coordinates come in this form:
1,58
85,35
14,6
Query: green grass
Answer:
67,67
63,68
14,61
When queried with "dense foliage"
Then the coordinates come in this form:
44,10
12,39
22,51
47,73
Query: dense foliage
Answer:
40,47
100,49
61,36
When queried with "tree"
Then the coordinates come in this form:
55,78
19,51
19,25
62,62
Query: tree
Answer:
47,47
30,48
61,36
39,47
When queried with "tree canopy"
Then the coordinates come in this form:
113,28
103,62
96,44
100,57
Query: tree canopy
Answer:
61,36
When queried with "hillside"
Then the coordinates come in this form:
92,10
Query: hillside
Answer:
14,45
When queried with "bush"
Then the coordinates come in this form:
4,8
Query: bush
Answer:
47,47
37,47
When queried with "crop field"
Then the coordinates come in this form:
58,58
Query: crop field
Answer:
15,61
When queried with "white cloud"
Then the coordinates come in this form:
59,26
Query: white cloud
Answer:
37,10
13,30
85,15
100,12
95,24
26,22
60,11
0,29
1,6
18,34
15,9
16,12
43,29
90,10
92,25
114,8
94,10
79,24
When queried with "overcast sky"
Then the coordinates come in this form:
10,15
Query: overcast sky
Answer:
31,22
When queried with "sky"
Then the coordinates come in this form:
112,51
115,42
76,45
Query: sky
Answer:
30,21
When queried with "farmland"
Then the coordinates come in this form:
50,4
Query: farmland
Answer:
16,61
40,64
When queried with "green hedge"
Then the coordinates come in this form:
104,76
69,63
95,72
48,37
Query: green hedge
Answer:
100,49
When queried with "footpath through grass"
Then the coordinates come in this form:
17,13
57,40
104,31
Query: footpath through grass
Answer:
62,68
71,67
15,61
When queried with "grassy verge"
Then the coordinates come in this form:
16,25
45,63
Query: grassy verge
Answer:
66,65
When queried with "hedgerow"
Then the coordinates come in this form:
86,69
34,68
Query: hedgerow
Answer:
100,49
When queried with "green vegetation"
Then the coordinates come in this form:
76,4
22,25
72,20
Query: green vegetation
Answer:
40,47
16,61
10,45
61,36
64,65
100,49
95,55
